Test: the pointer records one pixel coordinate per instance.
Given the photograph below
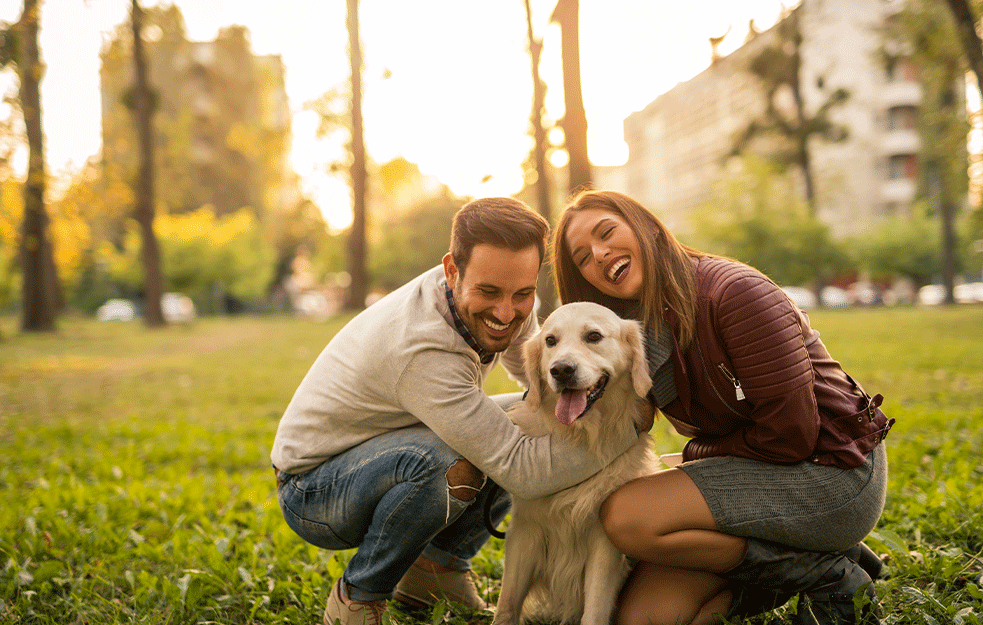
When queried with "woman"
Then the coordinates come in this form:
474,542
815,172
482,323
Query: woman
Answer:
784,473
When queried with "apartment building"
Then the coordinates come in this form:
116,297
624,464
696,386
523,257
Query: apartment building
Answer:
222,119
678,143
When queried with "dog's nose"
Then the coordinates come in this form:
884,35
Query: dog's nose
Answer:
563,372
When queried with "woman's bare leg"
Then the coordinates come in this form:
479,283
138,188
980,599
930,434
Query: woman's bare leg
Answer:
659,595
663,519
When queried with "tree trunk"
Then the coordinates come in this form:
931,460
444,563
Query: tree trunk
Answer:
153,279
948,251
358,290
969,37
566,14
40,280
543,195
945,210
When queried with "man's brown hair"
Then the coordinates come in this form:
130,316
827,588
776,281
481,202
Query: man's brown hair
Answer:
500,222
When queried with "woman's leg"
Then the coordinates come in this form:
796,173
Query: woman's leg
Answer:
663,519
657,595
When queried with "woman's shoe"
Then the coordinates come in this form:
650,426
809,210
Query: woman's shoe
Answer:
771,574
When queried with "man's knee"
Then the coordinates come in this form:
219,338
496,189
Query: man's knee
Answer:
464,480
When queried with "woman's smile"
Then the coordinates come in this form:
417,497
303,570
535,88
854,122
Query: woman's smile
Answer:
618,269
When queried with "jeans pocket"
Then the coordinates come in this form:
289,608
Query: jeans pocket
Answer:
300,518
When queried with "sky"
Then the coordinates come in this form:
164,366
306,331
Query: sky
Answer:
447,82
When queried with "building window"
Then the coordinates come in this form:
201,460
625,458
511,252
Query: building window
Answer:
902,166
902,118
903,70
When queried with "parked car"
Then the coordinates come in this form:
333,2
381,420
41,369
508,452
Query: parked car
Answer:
116,309
177,308
834,297
800,296
931,295
969,293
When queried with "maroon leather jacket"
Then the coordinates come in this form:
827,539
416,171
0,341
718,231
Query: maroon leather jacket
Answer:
757,382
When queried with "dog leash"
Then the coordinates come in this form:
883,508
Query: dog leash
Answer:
489,500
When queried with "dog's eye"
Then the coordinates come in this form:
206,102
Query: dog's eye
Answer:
594,337
550,340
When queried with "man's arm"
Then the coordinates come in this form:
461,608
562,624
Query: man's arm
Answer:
440,389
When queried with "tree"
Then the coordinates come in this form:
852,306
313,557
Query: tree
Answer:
926,33
758,217
904,246
40,289
778,69
153,278
204,254
567,14
969,37
358,290
543,195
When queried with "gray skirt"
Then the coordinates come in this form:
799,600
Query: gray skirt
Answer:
805,505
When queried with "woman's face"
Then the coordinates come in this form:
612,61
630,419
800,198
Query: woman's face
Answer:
605,250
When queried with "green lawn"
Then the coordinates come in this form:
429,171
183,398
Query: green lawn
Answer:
135,485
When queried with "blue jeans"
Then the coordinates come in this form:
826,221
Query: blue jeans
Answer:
389,498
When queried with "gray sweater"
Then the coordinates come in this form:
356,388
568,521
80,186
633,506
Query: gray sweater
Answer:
401,362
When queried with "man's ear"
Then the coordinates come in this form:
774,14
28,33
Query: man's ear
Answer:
451,272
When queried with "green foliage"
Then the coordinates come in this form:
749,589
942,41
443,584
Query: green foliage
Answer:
412,243
9,275
9,44
757,216
910,246
201,251
136,485
903,246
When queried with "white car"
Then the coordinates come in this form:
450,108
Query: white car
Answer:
177,308
931,295
800,296
969,293
117,310
834,297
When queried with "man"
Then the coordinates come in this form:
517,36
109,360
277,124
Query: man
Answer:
389,444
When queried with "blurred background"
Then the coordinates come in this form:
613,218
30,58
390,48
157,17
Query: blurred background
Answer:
165,161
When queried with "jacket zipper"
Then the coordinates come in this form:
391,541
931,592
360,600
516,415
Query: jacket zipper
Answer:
733,380
740,392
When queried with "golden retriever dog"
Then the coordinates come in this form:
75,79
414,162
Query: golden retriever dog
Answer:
586,371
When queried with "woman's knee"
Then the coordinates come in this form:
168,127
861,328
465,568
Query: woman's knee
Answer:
656,595
621,520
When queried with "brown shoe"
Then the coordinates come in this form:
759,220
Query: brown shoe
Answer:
354,612
422,588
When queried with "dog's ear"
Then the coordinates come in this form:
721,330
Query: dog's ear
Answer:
632,331
532,352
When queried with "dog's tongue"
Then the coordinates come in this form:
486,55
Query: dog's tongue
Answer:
571,405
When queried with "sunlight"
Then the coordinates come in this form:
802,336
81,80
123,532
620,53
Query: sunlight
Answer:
451,93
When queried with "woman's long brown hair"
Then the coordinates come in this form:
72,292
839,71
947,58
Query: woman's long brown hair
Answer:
669,274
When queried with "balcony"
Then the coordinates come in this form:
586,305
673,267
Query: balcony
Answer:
900,190
901,93
900,141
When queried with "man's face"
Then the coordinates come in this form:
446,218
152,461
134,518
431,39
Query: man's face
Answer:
496,293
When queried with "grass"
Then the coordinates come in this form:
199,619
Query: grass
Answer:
135,485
